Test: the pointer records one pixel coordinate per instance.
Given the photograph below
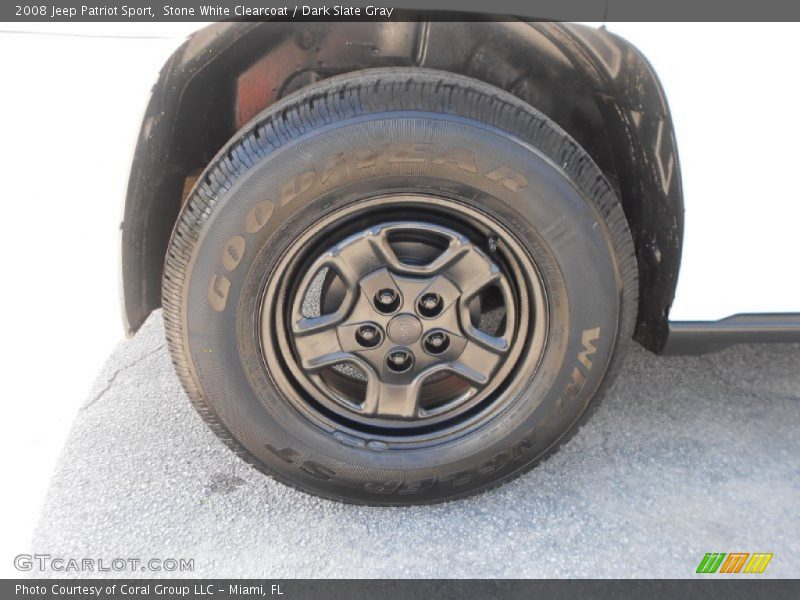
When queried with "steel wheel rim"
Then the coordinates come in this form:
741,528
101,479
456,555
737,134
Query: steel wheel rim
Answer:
517,350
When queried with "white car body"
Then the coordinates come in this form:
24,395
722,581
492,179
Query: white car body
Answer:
733,95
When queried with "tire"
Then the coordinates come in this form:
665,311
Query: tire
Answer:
345,235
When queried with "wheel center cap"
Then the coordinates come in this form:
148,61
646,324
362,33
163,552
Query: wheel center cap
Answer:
404,329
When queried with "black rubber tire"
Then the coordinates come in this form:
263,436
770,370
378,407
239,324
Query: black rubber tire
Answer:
567,217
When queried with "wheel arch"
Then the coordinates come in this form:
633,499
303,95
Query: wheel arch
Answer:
595,85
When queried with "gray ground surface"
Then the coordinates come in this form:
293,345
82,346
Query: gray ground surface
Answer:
685,456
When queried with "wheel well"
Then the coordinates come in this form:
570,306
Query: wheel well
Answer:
595,85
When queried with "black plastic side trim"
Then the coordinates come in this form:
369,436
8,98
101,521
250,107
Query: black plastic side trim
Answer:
700,337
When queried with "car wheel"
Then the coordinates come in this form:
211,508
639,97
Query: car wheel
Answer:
398,286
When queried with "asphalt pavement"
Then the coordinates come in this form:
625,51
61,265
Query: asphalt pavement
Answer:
685,455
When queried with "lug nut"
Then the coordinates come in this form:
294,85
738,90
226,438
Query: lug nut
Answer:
387,300
368,335
430,304
437,342
399,360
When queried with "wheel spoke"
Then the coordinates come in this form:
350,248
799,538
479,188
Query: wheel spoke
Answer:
356,257
475,364
496,344
317,343
454,253
473,273
391,399
308,325
381,246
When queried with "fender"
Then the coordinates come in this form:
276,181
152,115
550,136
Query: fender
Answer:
594,84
